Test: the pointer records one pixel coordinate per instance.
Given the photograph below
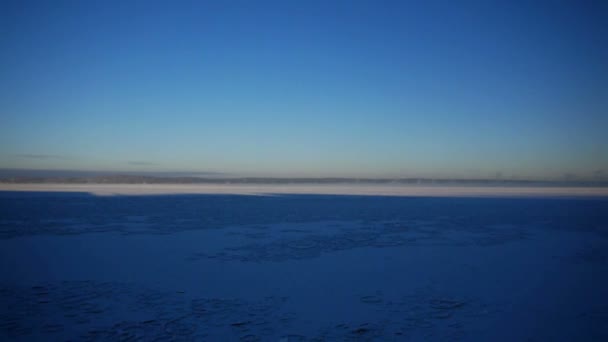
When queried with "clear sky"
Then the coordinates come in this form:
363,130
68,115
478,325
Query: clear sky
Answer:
307,88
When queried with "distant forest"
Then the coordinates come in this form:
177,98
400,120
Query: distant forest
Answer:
140,179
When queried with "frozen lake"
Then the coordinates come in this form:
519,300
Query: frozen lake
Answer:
303,267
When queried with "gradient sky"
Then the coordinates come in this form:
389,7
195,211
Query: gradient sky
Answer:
307,88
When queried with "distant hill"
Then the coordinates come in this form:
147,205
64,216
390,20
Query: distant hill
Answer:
146,179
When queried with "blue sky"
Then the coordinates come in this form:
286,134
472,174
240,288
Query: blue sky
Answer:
514,89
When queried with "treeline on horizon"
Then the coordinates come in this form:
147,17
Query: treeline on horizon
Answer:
136,179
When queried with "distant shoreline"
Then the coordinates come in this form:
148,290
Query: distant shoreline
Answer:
313,189
62,177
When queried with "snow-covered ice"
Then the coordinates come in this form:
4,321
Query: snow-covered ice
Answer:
303,267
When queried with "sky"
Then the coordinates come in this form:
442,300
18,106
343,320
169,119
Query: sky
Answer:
445,89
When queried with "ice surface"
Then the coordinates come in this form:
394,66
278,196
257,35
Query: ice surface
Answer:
219,267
